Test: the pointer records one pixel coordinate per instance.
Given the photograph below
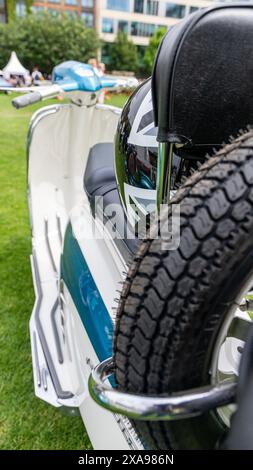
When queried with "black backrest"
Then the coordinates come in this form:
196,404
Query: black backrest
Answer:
202,81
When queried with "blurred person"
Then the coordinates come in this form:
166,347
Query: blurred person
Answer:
13,80
93,62
20,80
99,69
37,76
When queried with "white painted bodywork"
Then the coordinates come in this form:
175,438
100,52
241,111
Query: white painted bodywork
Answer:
59,141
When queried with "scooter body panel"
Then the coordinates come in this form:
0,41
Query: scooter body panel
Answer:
75,276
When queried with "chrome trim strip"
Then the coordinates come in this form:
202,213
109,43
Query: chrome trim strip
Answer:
49,247
183,404
55,331
108,107
58,219
62,394
44,378
62,299
36,358
163,177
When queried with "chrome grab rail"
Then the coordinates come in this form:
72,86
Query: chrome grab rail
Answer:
157,408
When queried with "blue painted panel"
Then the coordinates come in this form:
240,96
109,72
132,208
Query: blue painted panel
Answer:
72,75
86,296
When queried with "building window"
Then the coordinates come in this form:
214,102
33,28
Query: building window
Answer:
54,1
88,19
123,27
71,2
142,29
87,3
122,5
70,13
54,11
2,4
106,52
152,7
174,10
107,25
20,8
2,18
37,9
138,6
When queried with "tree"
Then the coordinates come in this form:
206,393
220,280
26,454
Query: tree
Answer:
151,49
45,40
123,54
11,8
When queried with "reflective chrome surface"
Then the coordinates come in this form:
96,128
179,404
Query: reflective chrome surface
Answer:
230,342
142,407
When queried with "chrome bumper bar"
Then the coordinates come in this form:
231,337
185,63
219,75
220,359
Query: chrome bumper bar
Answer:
163,408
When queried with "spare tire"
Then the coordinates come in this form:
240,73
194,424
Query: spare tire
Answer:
174,303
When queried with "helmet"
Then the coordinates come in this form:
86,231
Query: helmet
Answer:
136,151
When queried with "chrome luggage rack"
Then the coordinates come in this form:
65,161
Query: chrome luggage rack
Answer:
184,404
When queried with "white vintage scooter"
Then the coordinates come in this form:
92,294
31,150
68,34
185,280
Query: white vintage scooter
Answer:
71,325
184,312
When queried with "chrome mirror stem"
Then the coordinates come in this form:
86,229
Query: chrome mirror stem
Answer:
163,177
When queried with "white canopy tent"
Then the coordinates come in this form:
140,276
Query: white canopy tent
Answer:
14,67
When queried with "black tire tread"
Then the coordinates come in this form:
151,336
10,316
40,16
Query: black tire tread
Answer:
167,297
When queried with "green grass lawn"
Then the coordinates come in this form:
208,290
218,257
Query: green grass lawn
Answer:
25,421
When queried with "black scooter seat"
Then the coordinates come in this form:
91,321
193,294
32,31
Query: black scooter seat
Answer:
100,180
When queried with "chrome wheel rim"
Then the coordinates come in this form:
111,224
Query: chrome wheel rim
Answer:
228,348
